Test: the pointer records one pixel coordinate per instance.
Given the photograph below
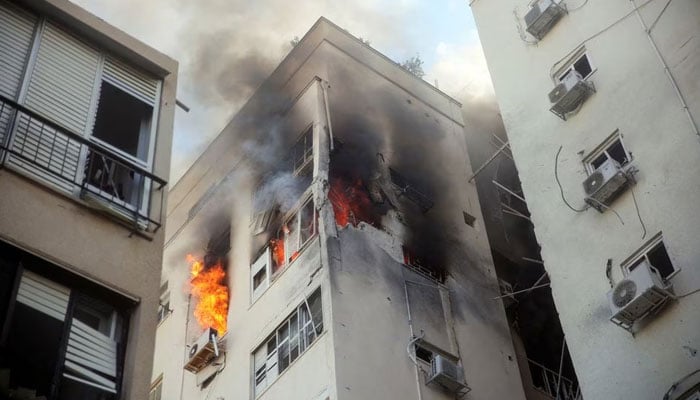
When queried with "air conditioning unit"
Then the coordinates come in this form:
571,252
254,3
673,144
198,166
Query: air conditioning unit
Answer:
203,351
605,184
543,15
569,94
640,293
447,374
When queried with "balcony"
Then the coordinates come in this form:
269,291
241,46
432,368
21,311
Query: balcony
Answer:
551,384
78,167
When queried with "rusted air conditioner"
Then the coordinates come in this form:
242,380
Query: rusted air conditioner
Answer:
203,351
638,295
543,15
570,94
605,184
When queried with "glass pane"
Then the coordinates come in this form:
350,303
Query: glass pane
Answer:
260,277
293,338
316,310
308,222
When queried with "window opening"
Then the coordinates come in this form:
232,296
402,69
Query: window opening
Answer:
657,256
423,354
581,65
469,219
612,149
303,153
289,341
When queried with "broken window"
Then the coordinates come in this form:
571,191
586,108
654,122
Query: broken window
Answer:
611,149
299,230
36,357
410,191
303,153
579,64
654,253
289,341
164,303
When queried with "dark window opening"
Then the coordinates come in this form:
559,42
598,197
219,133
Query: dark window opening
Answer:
424,354
259,278
617,152
123,121
582,65
659,259
599,161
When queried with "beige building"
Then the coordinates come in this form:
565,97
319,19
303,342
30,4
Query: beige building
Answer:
600,102
357,264
86,118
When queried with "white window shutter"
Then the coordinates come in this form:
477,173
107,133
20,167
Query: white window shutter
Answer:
91,357
43,295
62,81
16,32
130,80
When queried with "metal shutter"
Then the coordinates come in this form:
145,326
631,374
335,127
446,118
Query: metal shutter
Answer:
43,295
128,79
16,31
60,89
91,357
62,81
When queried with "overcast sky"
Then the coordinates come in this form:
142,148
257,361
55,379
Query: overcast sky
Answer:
227,47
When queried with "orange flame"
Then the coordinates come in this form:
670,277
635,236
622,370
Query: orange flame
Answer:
351,202
208,288
277,250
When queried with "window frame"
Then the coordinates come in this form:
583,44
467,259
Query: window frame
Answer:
272,354
307,156
569,66
156,388
603,148
642,253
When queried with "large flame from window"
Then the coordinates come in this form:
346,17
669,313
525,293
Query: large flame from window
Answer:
351,202
210,293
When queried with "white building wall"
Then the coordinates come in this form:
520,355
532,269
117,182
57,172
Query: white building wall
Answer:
634,96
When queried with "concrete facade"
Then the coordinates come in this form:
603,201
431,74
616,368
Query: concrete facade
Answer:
78,241
641,55
366,114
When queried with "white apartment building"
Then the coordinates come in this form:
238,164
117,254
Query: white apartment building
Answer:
86,119
600,102
357,264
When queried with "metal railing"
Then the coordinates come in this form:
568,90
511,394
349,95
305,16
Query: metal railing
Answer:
549,382
70,163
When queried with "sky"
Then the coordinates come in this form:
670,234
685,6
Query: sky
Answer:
226,48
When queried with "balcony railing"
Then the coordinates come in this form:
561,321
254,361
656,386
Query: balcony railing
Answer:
549,382
35,146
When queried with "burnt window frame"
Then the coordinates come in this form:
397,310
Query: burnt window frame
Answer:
603,150
642,254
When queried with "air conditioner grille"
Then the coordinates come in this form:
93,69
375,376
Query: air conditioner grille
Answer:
624,292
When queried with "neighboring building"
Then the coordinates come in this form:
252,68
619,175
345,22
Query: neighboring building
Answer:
619,234
86,118
356,259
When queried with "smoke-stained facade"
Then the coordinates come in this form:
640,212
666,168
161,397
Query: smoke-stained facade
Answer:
351,270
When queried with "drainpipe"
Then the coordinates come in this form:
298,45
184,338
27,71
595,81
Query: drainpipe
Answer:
324,86
691,120
410,328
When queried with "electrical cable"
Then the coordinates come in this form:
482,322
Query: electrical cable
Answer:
576,48
520,30
673,387
658,17
561,189
639,215
580,6
608,208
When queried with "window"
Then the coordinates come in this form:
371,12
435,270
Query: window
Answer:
611,149
423,354
164,304
303,153
285,247
654,253
580,63
289,341
156,389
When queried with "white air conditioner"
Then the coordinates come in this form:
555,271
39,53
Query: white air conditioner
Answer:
569,94
203,351
447,374
543,15
641,292
605,184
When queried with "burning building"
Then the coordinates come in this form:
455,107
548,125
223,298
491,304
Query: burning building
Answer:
337,199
